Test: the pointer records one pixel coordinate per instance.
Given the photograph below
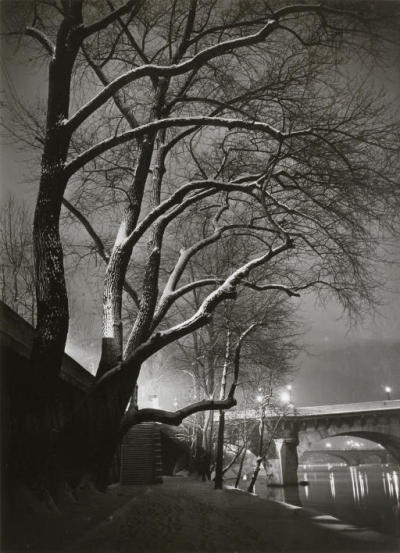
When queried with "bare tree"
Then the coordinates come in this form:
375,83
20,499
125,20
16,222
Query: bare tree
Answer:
17,268
233,108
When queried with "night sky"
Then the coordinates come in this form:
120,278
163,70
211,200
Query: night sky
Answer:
340,363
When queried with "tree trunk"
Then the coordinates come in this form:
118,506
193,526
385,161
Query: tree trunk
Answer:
220,452
239,474
88,442
260,452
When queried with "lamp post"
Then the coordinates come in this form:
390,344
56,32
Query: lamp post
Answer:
388,391
261,401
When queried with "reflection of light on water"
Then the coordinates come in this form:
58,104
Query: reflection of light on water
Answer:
362,485
357,484
306,490
332,483
391,485
396,486
354,484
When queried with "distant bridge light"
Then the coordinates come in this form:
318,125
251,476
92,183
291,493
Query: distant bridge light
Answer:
388,390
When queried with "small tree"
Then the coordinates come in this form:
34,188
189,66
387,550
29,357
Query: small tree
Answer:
17,267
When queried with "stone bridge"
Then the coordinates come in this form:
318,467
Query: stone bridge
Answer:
288,437
351,457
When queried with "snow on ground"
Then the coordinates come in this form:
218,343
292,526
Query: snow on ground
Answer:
184,515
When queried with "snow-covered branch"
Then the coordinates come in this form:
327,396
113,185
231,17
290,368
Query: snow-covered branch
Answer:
110,18
177,197
173,417
42,38
197,61
100,247
154,126
227,290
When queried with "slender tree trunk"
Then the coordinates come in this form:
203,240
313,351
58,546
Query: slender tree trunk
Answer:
239,474
260,452
221,426
220,452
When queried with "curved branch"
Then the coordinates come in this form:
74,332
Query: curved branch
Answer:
154,126
227,290
110,18
101,250
262,287
173,417
42,38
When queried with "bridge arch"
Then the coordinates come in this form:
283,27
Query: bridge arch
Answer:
387,440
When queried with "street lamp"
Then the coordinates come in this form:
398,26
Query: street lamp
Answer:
285,396
388,390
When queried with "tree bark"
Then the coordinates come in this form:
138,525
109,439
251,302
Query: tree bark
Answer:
260,452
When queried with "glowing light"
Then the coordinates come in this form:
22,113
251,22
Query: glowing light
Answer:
388,389
328,444
289,387
259,398
285,397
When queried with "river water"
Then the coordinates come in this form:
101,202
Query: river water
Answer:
365,495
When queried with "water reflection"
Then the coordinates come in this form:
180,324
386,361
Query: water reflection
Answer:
364,495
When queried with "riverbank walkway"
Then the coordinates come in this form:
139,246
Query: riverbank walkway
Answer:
189,516
185,515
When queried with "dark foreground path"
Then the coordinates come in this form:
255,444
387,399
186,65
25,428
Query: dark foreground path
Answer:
188,516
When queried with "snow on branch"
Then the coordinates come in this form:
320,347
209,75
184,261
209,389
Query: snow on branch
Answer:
42,38
110,18
154,126
173,417
227,290
177,197
99,245
197,61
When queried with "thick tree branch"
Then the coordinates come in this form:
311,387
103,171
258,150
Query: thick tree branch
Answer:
173,417
155,71
100,248
225,291
110,18
42,38
154,126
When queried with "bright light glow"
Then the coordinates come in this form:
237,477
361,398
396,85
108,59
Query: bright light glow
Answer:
328,444
289,387
285,397
388,389
259,398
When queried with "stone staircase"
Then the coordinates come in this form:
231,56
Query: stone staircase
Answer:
141,461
